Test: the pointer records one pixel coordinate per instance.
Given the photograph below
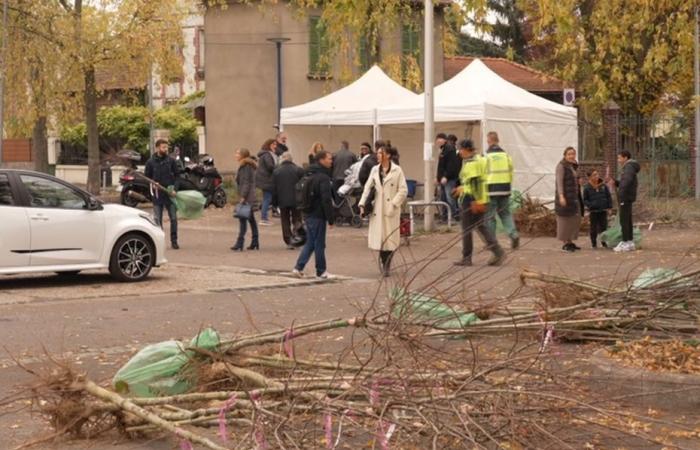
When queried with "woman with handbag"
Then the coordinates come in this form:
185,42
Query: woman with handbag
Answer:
567,201
244,210
382,199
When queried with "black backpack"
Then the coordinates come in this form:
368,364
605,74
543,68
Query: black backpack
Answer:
303,193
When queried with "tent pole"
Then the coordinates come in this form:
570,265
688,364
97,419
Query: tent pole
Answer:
428,124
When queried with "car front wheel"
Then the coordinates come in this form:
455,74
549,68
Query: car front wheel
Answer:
132,258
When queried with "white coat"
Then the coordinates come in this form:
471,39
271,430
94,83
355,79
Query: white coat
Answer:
385,219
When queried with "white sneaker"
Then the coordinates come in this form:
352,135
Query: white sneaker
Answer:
619,248
298,273
323,276
629,247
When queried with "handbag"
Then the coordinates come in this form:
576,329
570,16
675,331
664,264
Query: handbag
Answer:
242,211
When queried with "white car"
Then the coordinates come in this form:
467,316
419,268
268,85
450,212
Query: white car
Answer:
48,225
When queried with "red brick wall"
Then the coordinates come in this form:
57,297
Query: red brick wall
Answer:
16,150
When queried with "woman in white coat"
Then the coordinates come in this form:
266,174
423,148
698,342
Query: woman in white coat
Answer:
388,183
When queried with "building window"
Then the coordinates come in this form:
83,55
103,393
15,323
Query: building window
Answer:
410,46
318,48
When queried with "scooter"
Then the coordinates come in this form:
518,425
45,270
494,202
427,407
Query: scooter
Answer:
205,178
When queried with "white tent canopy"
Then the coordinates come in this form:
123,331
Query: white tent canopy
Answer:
355,104
533,130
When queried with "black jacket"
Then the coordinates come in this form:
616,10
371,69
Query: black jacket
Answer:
245,180
597,198
321,196
567,178
163,170
342,162
366,168
285,177
281,148
627,185
266,166
449,163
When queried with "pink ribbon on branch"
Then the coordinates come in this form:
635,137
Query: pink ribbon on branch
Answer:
222,417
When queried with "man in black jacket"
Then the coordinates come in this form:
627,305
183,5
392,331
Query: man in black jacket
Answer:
626,196
285,177
162,169
342,162
449,166
369,162
319,212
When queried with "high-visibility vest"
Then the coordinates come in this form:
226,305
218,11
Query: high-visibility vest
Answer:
499,168
472,178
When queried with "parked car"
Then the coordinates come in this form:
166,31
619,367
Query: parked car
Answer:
48,225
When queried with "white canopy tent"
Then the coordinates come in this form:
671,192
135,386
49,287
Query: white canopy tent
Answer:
533,130
353,107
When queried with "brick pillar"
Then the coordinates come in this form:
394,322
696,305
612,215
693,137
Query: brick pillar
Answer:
611,130
692,152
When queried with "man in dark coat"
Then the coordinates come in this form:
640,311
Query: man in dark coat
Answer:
342,162
281,139
369,162
163,169
319,212
286,176
626,196
449,166
267,161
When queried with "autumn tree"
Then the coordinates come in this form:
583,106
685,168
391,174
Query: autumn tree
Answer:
635,52
86,35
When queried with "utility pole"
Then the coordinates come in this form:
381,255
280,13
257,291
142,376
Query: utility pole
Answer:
278,41
697,102
151,146
428,123
2,76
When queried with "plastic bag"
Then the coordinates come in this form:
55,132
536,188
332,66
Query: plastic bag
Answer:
189,204
162,368
419,308
514,203
613,235
660,275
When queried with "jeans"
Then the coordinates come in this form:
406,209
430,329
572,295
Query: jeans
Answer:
266,203
500,205
470,222
244,228
626,221
599,223
315,244
454,206
291,222
172,214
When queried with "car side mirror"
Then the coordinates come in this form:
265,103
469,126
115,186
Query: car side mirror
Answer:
94,204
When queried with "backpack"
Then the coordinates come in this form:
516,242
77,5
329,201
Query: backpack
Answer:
303,192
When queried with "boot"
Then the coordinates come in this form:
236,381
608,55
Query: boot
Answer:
238,247
465,262
498,256
254,244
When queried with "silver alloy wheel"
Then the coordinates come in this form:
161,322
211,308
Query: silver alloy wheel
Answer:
134,258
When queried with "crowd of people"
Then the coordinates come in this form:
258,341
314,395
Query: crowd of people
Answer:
476,187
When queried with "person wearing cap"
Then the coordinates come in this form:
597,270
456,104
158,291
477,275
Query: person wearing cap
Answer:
499,169
474,199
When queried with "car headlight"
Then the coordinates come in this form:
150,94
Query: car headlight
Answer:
150,219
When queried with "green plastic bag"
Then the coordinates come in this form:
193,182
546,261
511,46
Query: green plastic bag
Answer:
419,308
514,203
660,275
613,235
189,204
162,368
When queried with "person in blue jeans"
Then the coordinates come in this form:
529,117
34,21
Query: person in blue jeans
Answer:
162,169
449,166
267,162
318,209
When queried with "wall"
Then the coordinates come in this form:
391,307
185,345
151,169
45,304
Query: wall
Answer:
241,97
78,174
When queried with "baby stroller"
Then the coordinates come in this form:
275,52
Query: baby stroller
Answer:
346,208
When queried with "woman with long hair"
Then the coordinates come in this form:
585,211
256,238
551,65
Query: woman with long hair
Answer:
567,201
315,148
245,180
388,182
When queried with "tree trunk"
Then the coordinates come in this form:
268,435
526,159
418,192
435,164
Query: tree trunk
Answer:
40,150
93,183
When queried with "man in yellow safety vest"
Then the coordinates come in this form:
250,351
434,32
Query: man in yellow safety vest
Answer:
473,198
499,169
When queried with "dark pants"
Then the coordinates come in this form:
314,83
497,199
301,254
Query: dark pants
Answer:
626,221
291,222
315,244
471,222
385,257
599,223
243,228
172,214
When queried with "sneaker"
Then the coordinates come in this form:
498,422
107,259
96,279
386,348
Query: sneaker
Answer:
515,243
631,247
324,276
626,247
620,247
265,223
298,273
463,263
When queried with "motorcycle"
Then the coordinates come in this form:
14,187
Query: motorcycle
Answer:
202,177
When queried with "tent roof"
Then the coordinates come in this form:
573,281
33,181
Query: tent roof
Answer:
354,104
478,93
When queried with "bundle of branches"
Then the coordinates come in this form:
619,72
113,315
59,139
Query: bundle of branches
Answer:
534,218
581,311
394,386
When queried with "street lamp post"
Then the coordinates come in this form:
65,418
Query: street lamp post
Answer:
278,41
429,126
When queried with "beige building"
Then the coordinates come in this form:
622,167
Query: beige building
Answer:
241,100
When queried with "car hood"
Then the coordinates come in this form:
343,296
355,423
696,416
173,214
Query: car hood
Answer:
121,210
